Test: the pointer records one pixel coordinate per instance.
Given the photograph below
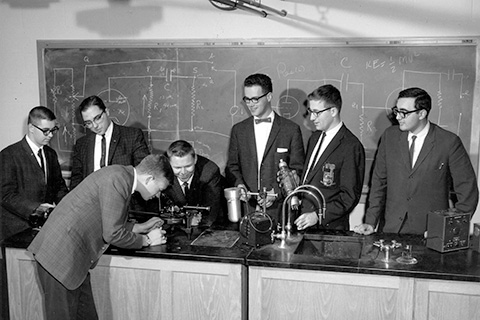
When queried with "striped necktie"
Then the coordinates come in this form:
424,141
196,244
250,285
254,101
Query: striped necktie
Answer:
42,163
412,150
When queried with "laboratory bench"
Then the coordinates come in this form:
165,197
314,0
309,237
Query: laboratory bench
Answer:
211,274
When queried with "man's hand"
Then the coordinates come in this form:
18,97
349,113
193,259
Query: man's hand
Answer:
280,178
306,220
44,207
196,219
145,227
269,199
364,228
243,193
157,237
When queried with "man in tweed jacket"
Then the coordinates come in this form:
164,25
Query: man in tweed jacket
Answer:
91,217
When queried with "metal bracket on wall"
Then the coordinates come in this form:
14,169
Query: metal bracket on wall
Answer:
247,5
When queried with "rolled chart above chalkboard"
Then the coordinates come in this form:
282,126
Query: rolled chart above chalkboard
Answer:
192,90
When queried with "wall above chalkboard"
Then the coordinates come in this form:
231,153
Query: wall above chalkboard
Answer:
192,90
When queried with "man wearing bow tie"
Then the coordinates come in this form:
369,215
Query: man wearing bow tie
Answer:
259,142
335,163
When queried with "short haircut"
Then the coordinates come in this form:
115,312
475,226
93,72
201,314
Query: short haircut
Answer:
40,113
329,94
92,101
180,148
423,101
261,80
156,165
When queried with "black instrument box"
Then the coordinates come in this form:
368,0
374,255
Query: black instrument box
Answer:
476,237
448,230
256,229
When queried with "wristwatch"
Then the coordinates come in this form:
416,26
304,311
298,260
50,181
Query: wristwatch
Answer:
149,241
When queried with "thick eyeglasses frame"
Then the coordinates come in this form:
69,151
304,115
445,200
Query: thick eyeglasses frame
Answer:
403,114
96,120
254,100
46,132
316,114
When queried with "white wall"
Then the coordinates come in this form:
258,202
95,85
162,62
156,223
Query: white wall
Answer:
22,22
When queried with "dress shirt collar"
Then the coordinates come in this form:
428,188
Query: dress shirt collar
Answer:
189,181
421,135
108,133
135,176
271,116
329,134
32,145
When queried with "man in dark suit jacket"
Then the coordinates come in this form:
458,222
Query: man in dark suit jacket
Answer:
259,142
91,217
335,163
123,145
405,187
204,183
26,187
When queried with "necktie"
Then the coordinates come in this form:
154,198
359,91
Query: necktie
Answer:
313,160
186,190
257,121
104,151
412,150
42,164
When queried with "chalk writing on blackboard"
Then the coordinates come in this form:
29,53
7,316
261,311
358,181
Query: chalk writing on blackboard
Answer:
195,92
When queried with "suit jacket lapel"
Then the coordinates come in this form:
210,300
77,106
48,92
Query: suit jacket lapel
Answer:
32,158
403,143
426,148
250,137
90,152
273,134
113,142
311,145
177,188
330,148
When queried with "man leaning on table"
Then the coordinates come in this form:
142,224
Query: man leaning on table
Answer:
85,223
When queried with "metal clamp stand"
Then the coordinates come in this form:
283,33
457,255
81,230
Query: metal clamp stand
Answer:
386,248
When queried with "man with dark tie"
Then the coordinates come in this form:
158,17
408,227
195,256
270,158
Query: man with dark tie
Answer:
31,181
31,178
105,143
335,163
258,143
416,167
197,182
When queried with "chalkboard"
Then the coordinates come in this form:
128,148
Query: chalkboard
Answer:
193,90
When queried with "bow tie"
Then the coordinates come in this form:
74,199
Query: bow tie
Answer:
257,121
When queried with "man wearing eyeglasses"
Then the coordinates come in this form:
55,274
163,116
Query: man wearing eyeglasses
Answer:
105,143
259,142
31,178
335,163
417,165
